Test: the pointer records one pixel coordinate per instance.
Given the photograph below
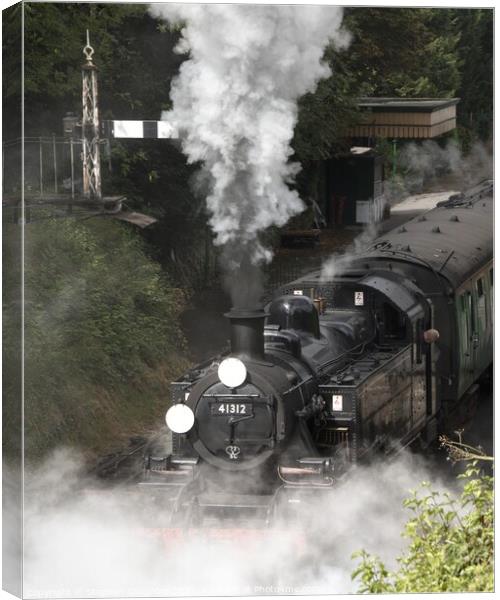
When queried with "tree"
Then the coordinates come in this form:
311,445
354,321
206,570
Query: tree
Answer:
475,110
134,57
417,52
385,43
404,52
450,543
326,115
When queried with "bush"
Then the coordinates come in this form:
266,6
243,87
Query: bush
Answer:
102,336
450,543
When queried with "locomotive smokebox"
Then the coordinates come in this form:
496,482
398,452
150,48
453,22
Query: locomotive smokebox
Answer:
247,332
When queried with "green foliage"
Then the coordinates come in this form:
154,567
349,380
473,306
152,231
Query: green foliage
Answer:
136,62
326,115
11,52
101,335
384,44
401,52
450,543
417,52
155,178
475,110
93,294
438,76
404,52
134,57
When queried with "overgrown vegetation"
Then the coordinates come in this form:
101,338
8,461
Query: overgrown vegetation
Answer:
450,543
102,338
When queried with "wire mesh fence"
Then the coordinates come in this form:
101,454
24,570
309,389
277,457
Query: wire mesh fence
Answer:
52,166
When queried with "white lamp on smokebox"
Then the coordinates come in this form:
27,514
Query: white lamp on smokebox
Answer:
232,372
179,418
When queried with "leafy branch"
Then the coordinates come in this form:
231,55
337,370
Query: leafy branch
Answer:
450,539
459,451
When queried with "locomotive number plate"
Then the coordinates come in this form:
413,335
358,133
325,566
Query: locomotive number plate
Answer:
224,409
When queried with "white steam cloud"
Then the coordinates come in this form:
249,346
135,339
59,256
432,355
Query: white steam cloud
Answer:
335,264
235,109
84,542
425,164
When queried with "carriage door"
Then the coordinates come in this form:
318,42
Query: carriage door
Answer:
481,339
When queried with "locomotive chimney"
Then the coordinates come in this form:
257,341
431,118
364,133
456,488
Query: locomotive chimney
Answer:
247,332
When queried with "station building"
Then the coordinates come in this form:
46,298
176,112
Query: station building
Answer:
353,190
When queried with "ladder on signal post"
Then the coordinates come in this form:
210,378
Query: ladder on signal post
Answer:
117,129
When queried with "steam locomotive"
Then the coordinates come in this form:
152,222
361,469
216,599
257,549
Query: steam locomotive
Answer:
386,352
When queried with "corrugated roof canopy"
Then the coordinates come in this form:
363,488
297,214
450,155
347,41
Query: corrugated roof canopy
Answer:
411,118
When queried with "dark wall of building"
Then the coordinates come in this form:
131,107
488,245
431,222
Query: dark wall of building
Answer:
350,179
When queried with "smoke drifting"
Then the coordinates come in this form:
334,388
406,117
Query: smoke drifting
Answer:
423,164
333,266
85,543
235,109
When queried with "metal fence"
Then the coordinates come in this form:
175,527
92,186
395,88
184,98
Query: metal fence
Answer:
53,171
52,166
284,269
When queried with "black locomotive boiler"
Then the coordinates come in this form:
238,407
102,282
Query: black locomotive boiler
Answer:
332,370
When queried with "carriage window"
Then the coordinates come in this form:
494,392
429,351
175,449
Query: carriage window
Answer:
480,289
467,317
465,302
482,313
472,312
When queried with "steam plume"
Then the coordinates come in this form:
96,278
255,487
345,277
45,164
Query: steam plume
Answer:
83,542
334,265
235,109
425,163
